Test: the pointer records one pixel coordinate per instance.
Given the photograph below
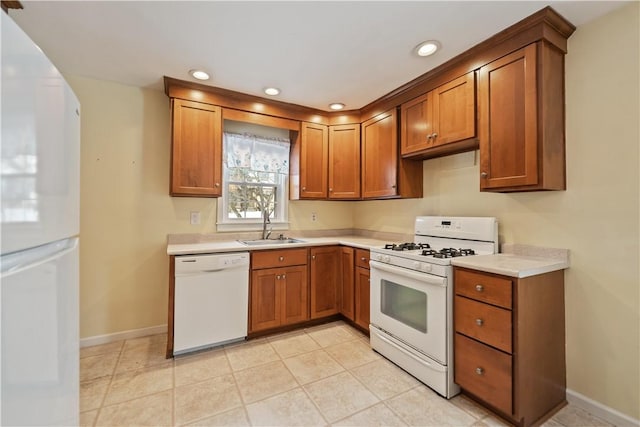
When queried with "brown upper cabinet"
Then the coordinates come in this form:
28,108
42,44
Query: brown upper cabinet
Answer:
329,161
521,106
196,149
384,174
433,124
314,155
344,162
504,95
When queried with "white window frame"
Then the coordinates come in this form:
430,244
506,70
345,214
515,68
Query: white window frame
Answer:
279,219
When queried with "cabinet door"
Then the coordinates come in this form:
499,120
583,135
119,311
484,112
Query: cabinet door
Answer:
347,298
380,156
314,152
416,124
196,149
325,277
266,299
362,296
508,121
344,162
454,108
294,288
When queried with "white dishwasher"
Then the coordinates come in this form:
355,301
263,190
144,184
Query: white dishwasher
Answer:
211,300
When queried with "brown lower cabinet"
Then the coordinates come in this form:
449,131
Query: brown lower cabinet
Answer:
354,286
509,342
279,289
293,286
347,289
362,286
324,280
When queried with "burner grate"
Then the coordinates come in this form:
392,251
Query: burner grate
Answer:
408,246
449,253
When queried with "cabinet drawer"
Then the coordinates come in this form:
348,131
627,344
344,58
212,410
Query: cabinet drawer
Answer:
484,372
482,287
278,258
362,258
484,322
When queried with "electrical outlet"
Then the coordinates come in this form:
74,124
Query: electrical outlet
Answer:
195,218
314,216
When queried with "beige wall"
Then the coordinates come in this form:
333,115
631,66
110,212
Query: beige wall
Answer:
598,213
126,212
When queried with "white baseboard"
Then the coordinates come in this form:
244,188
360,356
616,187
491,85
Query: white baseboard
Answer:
124,335
604,412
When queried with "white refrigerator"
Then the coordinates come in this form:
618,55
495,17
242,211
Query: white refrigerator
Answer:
39,173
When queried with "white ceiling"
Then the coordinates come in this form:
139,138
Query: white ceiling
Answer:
315,52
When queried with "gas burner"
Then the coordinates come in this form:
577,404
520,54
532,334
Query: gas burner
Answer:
448,253
409,246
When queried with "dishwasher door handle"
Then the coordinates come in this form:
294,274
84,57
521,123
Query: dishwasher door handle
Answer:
211,271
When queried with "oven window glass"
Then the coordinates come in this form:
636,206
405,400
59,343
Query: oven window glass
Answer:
406,305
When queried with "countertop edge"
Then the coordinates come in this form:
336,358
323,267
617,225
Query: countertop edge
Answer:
235,246
544,265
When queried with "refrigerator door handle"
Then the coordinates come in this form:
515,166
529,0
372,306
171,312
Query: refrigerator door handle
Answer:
16,262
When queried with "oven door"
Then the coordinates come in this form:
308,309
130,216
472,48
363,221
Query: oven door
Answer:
411,306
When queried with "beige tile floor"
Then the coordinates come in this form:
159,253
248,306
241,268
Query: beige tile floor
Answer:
325,375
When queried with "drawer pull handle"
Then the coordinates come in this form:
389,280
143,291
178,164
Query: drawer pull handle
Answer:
277,277
479,322
363,259
281,258
479,371
284,276
479,288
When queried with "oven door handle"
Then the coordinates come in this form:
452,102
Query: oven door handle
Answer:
427,278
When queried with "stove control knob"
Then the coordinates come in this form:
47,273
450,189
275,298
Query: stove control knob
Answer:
417,265
427,267
379,257
387,258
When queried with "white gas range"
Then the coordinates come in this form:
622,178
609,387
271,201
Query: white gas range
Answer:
412,295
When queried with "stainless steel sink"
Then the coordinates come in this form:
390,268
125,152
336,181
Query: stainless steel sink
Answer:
259,242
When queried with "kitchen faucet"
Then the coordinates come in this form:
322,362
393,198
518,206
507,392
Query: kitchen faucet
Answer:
265,220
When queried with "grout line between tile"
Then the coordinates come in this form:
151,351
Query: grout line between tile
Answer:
104,397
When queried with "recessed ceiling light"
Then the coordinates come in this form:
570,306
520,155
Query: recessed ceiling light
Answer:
336,106
427,48
199,74
273,91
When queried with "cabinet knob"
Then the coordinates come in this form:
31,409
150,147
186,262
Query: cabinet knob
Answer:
434,135
479,371
217,184
284,276
313,257
330,189
429,136
393,186
479,288
281,258
304,188
363,259
277,277
479,322
484,174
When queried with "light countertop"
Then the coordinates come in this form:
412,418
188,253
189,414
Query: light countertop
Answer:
196,246
510,264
